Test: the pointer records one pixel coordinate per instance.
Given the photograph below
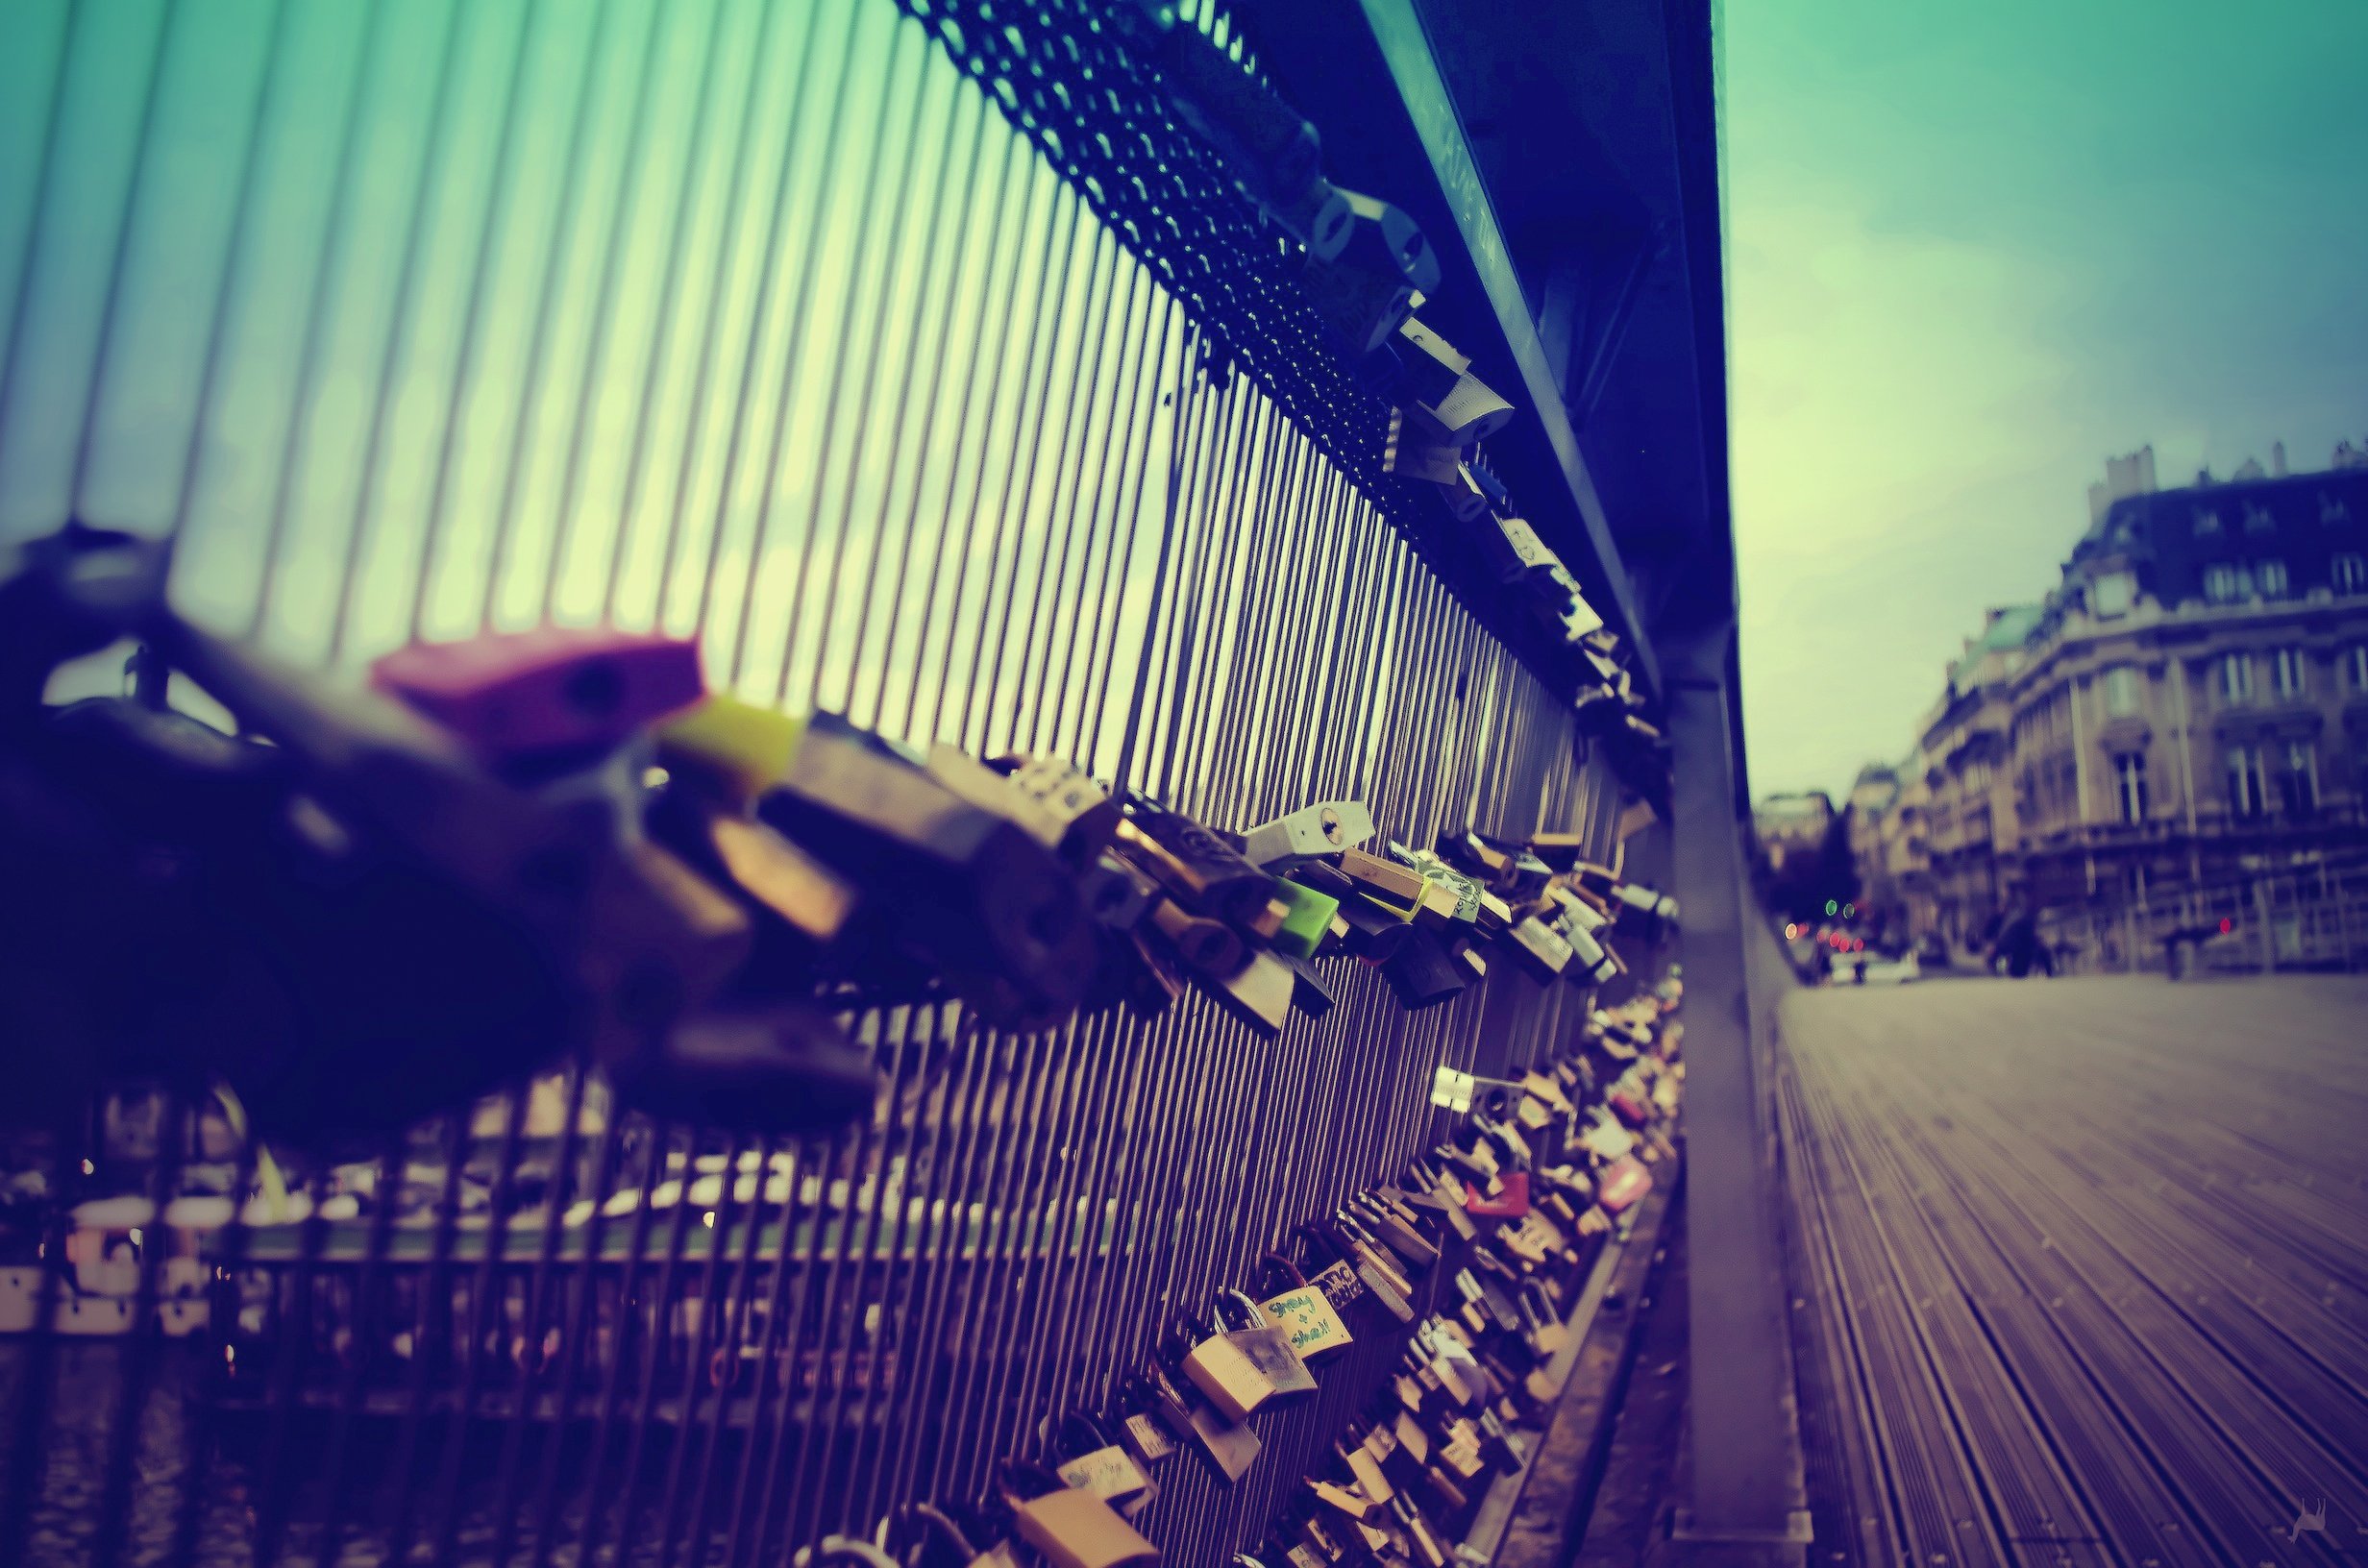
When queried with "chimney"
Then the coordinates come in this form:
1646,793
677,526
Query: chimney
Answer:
2277,459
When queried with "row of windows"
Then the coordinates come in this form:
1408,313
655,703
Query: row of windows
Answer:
2250,780
2289,675
2228,583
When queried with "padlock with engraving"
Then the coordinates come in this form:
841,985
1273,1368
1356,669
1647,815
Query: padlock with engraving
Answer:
1322,1262
1246,1362
511,697
1070,1526
1224,1443
1334,1249
1198,869
1302,1309
1086,1456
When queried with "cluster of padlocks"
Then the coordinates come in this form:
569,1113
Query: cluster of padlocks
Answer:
361,908
1367,269
1509,1214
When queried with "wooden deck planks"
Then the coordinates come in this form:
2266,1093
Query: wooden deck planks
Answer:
2086,1259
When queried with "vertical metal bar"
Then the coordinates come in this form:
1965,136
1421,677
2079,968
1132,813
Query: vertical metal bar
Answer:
1746,1484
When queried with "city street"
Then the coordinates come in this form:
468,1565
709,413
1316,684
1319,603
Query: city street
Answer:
2080,1268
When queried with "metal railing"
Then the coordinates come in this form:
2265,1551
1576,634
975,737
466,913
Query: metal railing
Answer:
2306,916
758,320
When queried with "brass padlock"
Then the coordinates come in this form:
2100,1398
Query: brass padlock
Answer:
1088,814
1416,449
1360,303
1247,1361
1070,1526
1227,1446
1084,1455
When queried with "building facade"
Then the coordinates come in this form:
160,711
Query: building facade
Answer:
2192,704
1792,827
2188,706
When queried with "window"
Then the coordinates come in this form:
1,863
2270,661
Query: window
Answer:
2129,786
2235,678
2350,573
2111,594
2355,660
2120,690
2270,577
2246,796
2206,523
2257,519
2221,585
2299,786
2292,670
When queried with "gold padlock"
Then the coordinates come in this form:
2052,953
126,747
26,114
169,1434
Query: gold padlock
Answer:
1246,1362
1070,1526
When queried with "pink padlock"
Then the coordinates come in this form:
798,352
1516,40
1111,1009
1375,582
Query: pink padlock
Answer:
1623,1183
554,689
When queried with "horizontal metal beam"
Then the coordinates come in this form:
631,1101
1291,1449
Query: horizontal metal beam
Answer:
1413,68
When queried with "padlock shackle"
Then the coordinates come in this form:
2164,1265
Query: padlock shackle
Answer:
1275,1266
1011,1473
1258,1319
1078,1433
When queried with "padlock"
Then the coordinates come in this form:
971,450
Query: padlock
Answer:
573,690
842,1552
1088,814
1084,1455
1209,947
1397,1230
1246,1362
1360,302
1416,449
991,907
1258,993
1310,916
1325,828
1328,1268
1069,1526
1226,1445
1376,1265
1301,1309
1371,932
1385,239
1441,381
1420,973
968,779
1345,1501
1196,866
1421,1538
1541,950
1623,1182
1140,1424
1310,996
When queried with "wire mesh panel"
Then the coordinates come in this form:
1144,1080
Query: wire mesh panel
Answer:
757,320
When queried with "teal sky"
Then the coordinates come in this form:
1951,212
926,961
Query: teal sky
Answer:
1974,249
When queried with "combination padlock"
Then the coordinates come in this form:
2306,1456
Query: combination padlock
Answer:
1069,1526
1246,1362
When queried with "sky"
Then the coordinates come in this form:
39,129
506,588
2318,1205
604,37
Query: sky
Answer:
1972,251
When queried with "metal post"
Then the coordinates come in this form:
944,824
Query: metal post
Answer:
1743,1502
2269,933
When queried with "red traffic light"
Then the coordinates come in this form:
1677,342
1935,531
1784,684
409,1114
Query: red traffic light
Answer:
2227,925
